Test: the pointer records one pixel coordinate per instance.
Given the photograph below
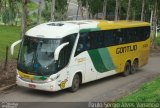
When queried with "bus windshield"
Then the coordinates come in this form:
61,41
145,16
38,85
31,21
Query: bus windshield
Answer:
36,56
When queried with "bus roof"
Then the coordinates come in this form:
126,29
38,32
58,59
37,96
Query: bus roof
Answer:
63,28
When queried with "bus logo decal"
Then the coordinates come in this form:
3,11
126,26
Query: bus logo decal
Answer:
62,84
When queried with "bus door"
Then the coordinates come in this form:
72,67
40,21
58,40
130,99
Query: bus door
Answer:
92,43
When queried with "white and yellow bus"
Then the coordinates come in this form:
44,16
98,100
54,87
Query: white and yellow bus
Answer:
59,55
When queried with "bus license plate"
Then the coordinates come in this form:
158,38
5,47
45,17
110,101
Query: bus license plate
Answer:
32,86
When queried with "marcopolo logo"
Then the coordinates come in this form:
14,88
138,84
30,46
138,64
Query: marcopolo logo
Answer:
126,49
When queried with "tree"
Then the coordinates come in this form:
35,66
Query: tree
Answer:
128,10
87,10
67,8
104,9
24,17
46,12
8,11
77,12
95,7
61,10
39,12
142,12
53,10
81,4
1,6
155,17
116,10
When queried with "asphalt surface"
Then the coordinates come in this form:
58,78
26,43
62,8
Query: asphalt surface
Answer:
103,90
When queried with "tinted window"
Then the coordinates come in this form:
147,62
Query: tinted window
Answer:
65,53
106,38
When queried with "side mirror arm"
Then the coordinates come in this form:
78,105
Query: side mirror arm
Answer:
13,45
57,51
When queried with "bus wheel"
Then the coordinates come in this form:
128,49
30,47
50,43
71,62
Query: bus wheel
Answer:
134,66
127,69
75,83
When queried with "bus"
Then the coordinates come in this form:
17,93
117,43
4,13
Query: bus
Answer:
64,54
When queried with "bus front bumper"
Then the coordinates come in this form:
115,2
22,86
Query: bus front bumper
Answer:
50,86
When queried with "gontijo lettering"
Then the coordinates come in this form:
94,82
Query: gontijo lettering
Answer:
126,49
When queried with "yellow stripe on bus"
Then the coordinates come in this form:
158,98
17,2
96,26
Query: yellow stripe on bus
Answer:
26,76
109,25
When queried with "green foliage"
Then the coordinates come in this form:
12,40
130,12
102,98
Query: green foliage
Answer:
32,6
158,39
149,92
9,11
8,35
8,16
110,9
95,6
46,12
60,10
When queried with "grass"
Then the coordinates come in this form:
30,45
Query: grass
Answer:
149,92
8,35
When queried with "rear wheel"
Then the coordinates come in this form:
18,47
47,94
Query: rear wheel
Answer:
75,83
127,69
134,66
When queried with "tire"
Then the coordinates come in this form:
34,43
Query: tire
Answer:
127,69
134,67
75,83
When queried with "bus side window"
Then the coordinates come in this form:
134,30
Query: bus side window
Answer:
132,35
120,36
117,37
140,33
82,43
147,32
126,36
108,38
93,39
100,39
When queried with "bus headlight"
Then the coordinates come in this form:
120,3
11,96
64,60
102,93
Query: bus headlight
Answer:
51,86
52,78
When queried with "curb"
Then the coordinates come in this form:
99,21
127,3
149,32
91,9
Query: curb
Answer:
7,87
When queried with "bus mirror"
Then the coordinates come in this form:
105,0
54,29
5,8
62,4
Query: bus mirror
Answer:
58,49
13,45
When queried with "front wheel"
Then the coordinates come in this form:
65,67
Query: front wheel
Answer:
75,83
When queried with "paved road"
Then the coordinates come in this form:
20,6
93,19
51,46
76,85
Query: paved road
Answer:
105,89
